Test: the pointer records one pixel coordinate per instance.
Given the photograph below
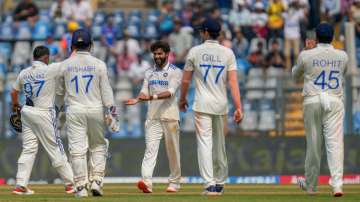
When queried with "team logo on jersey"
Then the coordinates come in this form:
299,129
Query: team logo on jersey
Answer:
165,74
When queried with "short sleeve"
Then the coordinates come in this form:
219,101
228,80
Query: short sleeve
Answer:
190,61
175,81
145,86
18,83
298,69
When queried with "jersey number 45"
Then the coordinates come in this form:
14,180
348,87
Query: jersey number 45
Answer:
331,82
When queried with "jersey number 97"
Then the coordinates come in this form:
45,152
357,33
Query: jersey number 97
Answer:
37,86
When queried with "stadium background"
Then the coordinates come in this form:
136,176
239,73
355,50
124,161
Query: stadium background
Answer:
270,141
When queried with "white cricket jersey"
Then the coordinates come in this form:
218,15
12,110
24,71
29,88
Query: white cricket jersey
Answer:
38,83
160,80
86,81
210,63
322,69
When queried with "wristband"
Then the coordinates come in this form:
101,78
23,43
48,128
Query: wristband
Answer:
155,97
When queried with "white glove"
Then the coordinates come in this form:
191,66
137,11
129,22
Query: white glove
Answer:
111,120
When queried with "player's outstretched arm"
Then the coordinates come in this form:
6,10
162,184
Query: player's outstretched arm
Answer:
141,97
235,93
185,84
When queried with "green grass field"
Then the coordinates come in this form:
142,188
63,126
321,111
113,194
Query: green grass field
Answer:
129,192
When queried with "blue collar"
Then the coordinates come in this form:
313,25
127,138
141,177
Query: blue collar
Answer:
325,45
161,69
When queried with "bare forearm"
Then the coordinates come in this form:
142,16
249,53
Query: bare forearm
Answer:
235,93
185,83
162,95
15,97
234,89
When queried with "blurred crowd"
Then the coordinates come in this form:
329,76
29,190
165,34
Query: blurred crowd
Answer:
262,33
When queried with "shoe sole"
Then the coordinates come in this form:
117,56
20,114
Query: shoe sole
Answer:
339,194
70,191
171,190
96,192
142,186
210,194
21,193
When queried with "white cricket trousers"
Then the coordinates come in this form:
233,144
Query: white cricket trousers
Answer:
323,119
40,125
211,149
155,129
85,131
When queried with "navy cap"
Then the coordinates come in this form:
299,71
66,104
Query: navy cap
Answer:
81,37
211,25
324,31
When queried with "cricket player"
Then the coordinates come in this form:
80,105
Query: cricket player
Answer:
84,82
38,82
159,88
322,69
213,66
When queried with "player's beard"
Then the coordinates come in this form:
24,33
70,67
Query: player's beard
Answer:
160,62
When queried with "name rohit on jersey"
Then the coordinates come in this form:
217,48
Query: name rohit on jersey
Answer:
80,69
326,63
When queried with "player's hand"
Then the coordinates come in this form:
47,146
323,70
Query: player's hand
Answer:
310,44
238,116
131,101
143,97
183,105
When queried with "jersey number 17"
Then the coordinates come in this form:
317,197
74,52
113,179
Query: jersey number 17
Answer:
88,77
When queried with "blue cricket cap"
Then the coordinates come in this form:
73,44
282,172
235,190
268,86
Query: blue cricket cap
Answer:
211,25
324,31
81,37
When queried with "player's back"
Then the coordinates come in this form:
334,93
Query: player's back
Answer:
82,76
211,63
324,67
38,83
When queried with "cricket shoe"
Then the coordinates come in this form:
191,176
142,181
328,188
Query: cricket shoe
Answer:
219,189
144,187
302,184
337,192
81,191
173,188
96,188
210,191
69,189
21,190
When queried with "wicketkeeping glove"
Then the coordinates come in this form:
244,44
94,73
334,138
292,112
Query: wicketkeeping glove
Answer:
111,119
15,120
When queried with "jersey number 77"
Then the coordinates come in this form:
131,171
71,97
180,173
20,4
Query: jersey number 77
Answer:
208,67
